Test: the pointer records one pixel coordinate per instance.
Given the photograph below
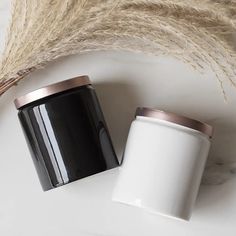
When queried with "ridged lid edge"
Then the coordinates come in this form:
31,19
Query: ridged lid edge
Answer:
51,89
177,119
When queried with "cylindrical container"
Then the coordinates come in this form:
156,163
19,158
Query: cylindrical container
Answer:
66,132
163,163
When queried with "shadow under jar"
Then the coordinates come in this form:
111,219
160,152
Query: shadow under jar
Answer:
66,132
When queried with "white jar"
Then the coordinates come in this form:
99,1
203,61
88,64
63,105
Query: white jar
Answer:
163,163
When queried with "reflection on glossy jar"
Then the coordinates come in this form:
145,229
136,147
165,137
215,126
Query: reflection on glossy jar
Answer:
66,132
163,163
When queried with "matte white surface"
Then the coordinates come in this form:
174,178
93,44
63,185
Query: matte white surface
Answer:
123,81
162,167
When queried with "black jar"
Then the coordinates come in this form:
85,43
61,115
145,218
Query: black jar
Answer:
66,132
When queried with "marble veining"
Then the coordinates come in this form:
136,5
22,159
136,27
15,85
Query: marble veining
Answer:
219,172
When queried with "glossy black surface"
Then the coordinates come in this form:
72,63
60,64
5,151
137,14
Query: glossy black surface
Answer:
67,137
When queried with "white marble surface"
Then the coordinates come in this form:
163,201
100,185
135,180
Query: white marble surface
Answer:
123,81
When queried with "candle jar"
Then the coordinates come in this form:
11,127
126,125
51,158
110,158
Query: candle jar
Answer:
163,163
66,132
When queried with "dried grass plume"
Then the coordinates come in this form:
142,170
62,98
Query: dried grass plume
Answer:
201,33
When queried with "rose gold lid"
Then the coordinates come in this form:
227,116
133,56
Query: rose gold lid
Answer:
51,89
180,120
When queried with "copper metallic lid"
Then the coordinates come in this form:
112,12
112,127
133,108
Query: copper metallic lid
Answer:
51,89
180,120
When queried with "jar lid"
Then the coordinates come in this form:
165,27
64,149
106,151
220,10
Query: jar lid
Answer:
51,89
177,119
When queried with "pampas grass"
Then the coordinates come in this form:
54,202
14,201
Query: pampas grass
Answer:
201,33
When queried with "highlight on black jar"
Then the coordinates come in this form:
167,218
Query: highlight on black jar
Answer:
66,132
